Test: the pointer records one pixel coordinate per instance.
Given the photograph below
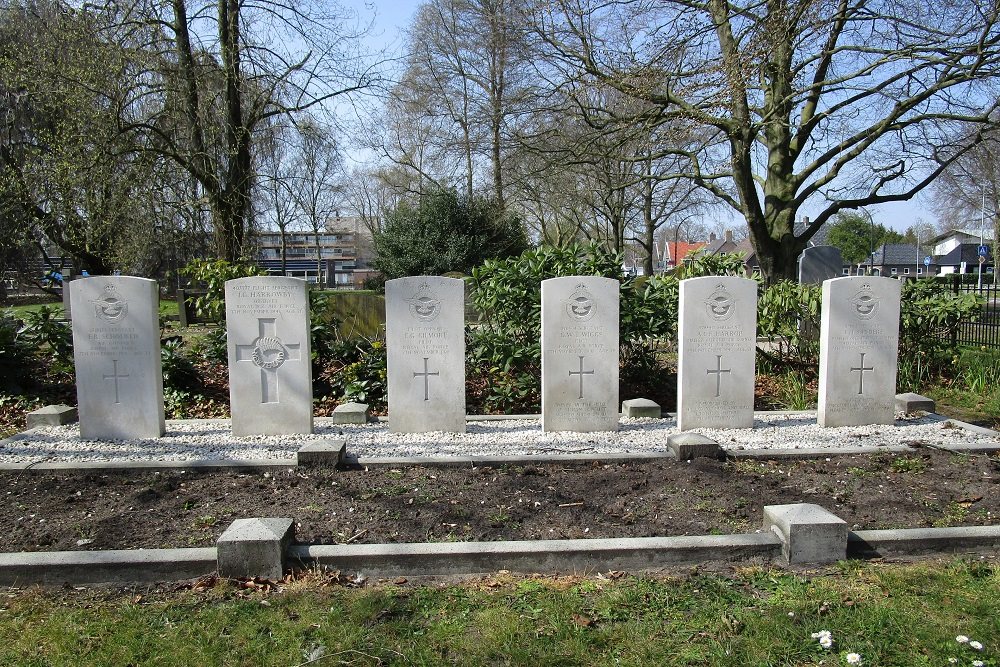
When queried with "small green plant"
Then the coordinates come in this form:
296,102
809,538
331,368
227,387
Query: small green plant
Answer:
213,346
788,315
178,370
794,392
365,379
15,354
909,464
212,275
48,334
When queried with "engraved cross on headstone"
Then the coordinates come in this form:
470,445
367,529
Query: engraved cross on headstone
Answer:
426,375
268,352
861,373
719,370
581,373
115,376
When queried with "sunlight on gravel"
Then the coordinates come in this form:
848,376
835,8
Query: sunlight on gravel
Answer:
210,440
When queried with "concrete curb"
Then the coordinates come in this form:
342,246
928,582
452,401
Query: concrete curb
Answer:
541,556
105,567
465,558
921,541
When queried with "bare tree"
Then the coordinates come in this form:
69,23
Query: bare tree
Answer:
967,194
315,186
826,105
217,71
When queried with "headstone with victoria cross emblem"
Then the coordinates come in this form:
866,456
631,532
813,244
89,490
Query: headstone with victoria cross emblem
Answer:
717,346
859,340
425,347
270,375
116,349
580,354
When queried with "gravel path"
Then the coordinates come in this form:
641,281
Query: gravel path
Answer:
211,440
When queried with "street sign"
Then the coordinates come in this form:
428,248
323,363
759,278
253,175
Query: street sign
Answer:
983,250
982,259
927,260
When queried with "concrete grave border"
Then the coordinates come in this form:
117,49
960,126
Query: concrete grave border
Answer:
792,535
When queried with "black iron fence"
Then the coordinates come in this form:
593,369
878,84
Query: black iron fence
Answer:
985,331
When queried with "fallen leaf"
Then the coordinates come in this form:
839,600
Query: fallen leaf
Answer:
583,621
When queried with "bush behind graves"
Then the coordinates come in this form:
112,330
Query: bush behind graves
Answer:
505,349
930,314
788,315
48,334
16,354
212,275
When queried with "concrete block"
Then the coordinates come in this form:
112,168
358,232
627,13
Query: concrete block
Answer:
52,415
255,548
322,452
809,533
351,413
641,407
910,403
687,446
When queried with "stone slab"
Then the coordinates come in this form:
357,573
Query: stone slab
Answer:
920,541
321,452
537,556
255,548
809,533
350,413
116,349
687,446
859,342
717,346
641,407
580,354
425,347
119,566
270,372
51,415
820,263
910,403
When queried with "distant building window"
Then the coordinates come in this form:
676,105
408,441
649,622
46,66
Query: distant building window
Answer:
895,271
906,271
919,271
847,272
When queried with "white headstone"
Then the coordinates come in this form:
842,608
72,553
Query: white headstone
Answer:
859,341
116,347
270,374
580,354
717,348
425,347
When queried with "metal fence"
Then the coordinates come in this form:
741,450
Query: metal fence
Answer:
985,331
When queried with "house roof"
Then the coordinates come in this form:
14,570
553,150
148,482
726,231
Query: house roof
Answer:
819,238
745,247
899,254
966,252
677,251
973,233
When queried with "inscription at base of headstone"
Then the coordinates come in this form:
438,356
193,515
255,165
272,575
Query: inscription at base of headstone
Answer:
859,340
717,338
580,354
270,374
116,348
425,346
820,263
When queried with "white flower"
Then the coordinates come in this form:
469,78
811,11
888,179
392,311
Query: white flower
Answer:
853,659
962,639
825,642
952,661
791,614
978,663
976,645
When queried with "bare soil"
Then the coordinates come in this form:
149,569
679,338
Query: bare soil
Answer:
141,509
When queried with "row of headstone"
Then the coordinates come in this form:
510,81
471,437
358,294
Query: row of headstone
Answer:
119,379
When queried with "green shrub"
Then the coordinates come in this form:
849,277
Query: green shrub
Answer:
930,314
365,379
179,372
212,275
788,315
48,334
16,355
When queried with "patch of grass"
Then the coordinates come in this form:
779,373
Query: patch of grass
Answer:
909,464
890,614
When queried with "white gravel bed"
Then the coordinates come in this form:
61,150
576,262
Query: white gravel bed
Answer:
211,440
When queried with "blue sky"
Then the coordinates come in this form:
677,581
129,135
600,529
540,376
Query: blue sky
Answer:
393,16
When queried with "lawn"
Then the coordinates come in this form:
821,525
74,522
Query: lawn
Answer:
887,614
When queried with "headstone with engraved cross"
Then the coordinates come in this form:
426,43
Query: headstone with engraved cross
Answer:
425,346
859,339
580,354
116,348
270,375
717,345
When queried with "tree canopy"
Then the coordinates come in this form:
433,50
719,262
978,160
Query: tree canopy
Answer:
857,236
